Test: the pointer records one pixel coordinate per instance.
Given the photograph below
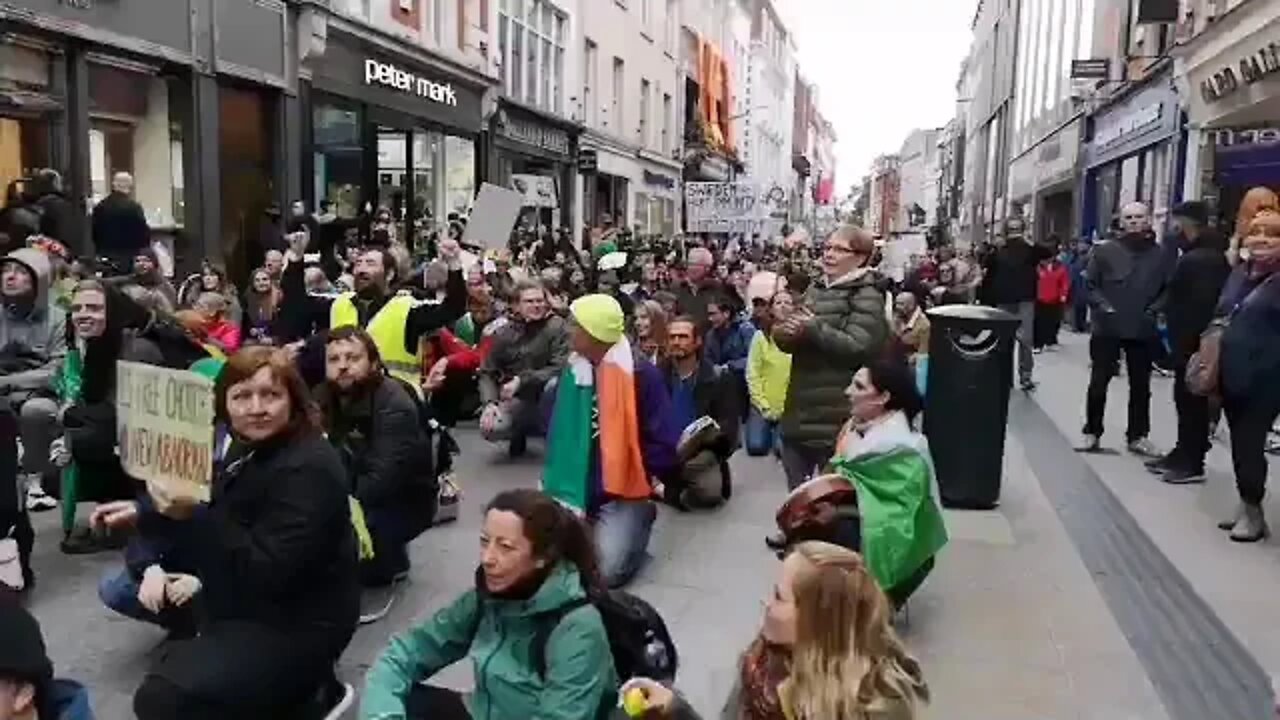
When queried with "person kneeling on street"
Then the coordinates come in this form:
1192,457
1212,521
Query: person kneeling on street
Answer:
281,593
156,584
537,573
374,421
28,689
705,402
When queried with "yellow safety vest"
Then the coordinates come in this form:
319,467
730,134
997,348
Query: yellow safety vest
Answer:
387,330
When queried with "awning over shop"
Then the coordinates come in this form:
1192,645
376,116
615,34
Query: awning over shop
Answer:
1248,165
27,102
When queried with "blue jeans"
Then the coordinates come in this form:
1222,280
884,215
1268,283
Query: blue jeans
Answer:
622,538
762,434
119,591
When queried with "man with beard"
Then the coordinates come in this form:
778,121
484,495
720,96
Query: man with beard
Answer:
375,422
396,322
1126,278
527,353
32,344
147,275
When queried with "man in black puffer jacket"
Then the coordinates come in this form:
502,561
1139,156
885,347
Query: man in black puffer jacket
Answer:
840,326
1009,275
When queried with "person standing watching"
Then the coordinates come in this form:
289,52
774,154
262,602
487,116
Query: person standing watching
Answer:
1197,281
1009,283
700,285
120,229
838,328
768,376
1053,288
1126,279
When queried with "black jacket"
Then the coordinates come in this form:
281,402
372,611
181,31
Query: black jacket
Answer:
1010,273
1197,281
276,542
119,227
58,221
1127,279
383,443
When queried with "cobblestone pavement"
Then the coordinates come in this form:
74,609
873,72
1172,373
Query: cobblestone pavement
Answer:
1017,621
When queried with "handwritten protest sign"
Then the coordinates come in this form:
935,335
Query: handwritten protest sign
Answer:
733,207
164,423
493,217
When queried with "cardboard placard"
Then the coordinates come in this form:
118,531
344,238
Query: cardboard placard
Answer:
164,427
493,217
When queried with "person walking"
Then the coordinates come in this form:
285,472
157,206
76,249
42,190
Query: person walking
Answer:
1126,280
1198,278
840,325
1009,283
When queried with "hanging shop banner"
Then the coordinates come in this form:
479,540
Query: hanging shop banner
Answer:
164,426
731,207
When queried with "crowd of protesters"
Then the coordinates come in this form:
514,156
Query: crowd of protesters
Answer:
643,364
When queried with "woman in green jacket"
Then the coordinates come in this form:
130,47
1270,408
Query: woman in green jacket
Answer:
537,571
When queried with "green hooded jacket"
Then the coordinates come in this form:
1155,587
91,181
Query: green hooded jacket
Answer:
579,684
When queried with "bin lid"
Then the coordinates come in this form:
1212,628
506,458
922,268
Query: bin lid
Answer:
980,313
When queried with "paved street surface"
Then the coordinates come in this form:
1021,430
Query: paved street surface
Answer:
1093,592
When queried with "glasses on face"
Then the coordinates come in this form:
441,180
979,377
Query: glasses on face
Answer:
837,249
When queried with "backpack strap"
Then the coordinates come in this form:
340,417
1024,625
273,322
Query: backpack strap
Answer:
547,623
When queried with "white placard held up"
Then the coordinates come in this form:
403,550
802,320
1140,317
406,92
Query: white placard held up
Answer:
493,217
164,427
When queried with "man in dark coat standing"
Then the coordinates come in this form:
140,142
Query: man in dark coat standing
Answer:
1197,280
120,229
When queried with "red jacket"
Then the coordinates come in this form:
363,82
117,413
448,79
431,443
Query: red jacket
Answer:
1054,284
462,357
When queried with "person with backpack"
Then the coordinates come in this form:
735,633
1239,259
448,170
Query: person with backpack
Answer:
538,646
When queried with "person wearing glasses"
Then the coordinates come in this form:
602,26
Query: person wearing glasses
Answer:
838,325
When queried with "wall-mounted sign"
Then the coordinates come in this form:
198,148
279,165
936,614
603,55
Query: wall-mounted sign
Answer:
79,4
659,180
388,75
1131,122
1091,69
1251,69
531,133
1226,137
588,161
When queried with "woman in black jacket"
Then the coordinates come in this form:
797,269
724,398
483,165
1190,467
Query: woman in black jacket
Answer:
277,559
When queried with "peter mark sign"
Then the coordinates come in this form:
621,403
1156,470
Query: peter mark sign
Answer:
164,426
388,75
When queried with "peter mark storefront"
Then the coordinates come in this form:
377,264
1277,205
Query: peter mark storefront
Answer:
1231,73
91,88
1132,154
393,128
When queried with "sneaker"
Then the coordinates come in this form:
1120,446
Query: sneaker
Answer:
1143,446
1028,385
37,499
1182,476
1037,351
1162,464
1092,443
1252,526
1229,523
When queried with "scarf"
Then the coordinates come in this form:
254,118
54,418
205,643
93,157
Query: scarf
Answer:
595,426
765,668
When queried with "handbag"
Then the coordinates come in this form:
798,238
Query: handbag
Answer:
1203,371
11,563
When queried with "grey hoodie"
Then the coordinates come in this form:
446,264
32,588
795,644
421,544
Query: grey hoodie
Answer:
33,338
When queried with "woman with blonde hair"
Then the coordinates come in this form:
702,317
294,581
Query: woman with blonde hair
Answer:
1254,201
827,650
649,329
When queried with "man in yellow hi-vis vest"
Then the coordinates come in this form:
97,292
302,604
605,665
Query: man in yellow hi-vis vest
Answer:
397,322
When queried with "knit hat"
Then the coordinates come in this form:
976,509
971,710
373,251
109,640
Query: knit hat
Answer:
600,315
22,654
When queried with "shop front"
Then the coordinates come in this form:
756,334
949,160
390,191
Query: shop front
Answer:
1231,76
391,129
1042,183
536,154
94,89
657,197
607,182
1132,155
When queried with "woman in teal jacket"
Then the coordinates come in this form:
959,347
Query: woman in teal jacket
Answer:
537,570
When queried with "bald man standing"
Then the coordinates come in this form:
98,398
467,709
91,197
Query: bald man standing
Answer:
120,229
1126,280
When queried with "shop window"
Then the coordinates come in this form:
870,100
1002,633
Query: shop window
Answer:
24,148
133,129
245,158
641,224
337,158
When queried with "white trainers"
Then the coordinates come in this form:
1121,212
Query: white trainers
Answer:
1144,447
37,499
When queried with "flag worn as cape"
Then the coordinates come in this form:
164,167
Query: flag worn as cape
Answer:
902,526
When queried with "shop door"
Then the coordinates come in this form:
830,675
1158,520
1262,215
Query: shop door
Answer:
250,217
394,182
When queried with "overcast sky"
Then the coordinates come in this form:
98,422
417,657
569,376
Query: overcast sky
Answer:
883,67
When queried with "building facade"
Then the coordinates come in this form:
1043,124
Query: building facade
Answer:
988,85
884,203
917,177
196,99
630,98
715,45
769,100
802,119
